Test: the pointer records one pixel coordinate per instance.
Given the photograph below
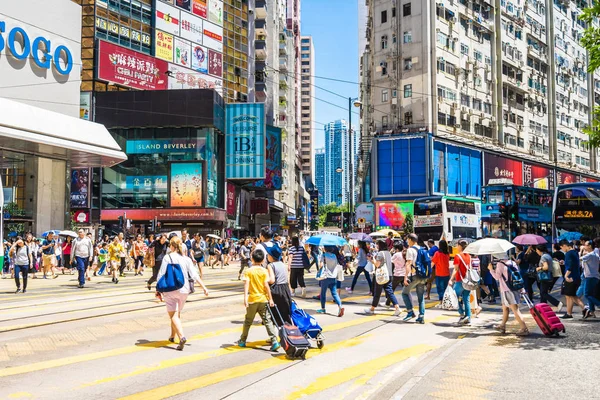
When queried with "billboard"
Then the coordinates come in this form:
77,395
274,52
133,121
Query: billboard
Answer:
185,4
85,105
200,8
162,146
245,141
273,160
393,214
199,58
182,54
366,211
164,46
166,214
497,167
215,63
80,188
314,210
186,184
183,78
166,18
215,11
191,27
129,68
538,177
153,182
231,203
563,177
213,36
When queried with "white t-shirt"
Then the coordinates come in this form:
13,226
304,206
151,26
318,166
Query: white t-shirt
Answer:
411,255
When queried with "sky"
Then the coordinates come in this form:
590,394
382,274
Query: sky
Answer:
333,25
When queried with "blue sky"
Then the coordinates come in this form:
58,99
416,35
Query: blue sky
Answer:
333,24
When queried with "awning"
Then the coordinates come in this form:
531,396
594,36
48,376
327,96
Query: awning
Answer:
32,130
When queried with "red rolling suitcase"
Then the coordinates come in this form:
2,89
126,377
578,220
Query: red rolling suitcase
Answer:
546,318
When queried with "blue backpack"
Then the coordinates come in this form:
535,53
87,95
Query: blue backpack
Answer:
304,321
422,263
172,280
514,279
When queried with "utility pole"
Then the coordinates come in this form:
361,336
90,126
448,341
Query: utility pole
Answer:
350,167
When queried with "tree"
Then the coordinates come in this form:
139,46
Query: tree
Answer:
330,208
591,42
408,226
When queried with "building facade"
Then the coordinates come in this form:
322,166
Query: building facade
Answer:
337,162
320,173
307,125
498,78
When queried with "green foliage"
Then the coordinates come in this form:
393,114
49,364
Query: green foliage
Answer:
591,42
408,226
330,208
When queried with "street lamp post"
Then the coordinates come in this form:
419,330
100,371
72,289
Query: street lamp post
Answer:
358,104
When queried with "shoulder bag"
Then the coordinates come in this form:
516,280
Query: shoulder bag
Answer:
471,279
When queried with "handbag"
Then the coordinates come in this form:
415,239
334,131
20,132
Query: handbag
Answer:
450,300
556,271
471,279
382,275
544,276
369,267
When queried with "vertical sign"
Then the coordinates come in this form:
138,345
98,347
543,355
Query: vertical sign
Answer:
187,184
273,176
85,105
231,206
80,185
245,141
314,210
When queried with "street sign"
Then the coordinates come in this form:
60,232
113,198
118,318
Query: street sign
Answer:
362,221
361,225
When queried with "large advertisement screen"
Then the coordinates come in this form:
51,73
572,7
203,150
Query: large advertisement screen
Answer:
392,215
273,178
497,167
538,177
187,184
245,141
129,68
80,188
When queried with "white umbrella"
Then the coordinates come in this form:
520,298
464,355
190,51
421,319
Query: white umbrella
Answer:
213,236
489,246
177,233
68,233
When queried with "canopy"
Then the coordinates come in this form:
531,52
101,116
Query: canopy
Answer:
28,129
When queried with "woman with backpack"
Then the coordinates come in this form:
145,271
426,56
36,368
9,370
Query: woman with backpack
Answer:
504,272
330,271
383,259
297,261
462,263
441,262
544,277
175,299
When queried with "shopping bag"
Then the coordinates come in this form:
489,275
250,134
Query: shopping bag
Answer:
450,300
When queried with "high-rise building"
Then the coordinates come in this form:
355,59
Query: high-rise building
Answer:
499,89
307,65
337,162
320,173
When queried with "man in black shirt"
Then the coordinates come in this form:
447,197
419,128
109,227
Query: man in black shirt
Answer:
159,247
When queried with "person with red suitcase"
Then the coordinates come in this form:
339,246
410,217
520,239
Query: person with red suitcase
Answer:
511,285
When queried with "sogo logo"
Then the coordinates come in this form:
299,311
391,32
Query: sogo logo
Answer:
40,44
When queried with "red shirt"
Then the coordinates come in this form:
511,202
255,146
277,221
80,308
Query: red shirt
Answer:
442,264
462,266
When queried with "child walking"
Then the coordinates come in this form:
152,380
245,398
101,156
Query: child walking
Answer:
257,297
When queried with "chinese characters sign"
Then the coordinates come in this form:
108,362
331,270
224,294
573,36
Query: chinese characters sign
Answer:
538,177
563,178
186,185
80,184
215,63
231,206
129,68
245,141
393,214
183,78
584,214
497,167
164,46
146,182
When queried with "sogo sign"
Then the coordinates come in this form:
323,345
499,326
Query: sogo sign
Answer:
45,60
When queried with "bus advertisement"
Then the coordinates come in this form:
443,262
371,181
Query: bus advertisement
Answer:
451,218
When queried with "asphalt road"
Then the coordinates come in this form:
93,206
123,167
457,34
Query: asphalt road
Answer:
108,341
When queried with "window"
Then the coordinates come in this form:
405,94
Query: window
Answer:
384,96
465,100
464,49
305,62
393,12
406,10
384,16
384,42
408,118
384,121
477,105
478,55
407,91
305,55
408,37
408,64
305,93
393,38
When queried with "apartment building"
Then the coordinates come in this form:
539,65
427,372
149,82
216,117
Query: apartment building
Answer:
471,81
320,173
307,125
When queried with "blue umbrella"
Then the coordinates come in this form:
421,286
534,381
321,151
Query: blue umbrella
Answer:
326,240
570,236
362,237
47,233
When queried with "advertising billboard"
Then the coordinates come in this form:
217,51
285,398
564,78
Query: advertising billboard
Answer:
215,63
199,58
563,178
186,184
162,146
80,188
85,105
164,46
401,166
231,203
314,210
392,215
497,167
183,78
213,36
215,11
152,182
273,160
184,4
129,68
245,141
166,18
182,54
200,8
366,211
166,214
191,27
538,177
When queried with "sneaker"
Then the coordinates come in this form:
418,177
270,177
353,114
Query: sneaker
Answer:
466,321
341,312
586,313
349,290
303,293
368,311
420,320
559,307
370,294
18,290
461,320
80,286
321,311
293,293
240,343
397,312
276,346
439,305
409,316
567,316
25,291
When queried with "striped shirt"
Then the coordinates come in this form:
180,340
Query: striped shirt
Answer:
297,258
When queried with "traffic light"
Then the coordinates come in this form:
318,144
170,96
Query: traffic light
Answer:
504,212
513,213
121,221
152,226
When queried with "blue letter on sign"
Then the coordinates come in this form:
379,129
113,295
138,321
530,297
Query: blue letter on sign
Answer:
26,44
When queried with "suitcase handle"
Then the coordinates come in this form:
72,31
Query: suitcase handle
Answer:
528,301
273,316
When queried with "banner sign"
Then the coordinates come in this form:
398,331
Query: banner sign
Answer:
215,11
129,68
85,105
167,18
146,182
393,214
200,58
231,206
161,146
166,214
80,188
497,167
183,78
213,36
538,177
187,184
215,63
191,28
200,8
366,211
182,53
314,209
259,206
563,178
164,46
245,141
273,177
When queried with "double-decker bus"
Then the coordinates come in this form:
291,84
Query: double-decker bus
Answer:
532,210
576,208
451,218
